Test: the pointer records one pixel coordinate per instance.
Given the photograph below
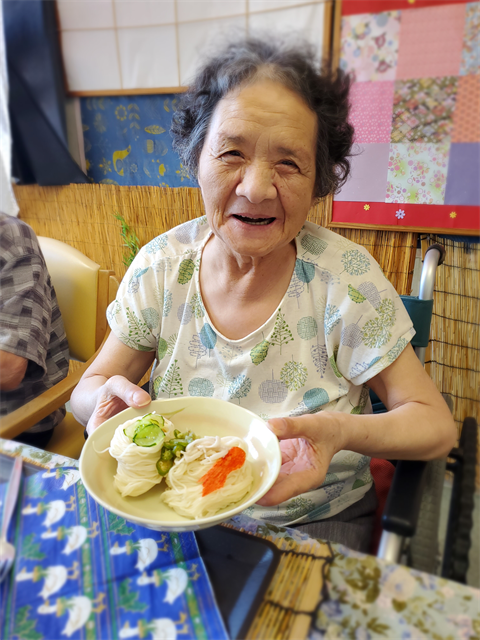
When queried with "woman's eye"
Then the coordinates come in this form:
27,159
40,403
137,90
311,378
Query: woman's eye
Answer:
289,163
233,153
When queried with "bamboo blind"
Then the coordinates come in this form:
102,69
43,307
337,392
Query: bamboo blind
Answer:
83,216
295,591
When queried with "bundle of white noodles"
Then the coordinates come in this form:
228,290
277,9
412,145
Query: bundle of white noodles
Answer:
136,470
185,491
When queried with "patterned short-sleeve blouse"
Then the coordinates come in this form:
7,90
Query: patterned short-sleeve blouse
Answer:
339,324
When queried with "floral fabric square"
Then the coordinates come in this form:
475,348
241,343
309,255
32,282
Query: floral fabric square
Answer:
417,173
423,109
431,42
371,114
466,117
471,47
369,47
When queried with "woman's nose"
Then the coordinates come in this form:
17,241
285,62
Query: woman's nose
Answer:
257,184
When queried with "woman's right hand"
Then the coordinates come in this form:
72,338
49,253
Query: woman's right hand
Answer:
115,395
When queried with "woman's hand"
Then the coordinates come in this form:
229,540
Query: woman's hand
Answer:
308,444
117,394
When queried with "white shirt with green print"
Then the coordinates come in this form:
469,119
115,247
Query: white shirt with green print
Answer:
339,324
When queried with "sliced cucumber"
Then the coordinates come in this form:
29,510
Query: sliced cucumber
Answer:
147,431
148,435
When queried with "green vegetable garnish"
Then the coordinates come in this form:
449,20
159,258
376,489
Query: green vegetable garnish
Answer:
164,466
147,431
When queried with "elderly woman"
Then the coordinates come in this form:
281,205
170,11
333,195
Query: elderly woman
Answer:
254,305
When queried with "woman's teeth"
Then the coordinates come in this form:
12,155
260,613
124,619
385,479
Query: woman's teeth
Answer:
256,221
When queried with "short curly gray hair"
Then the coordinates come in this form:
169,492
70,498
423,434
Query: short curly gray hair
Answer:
294,66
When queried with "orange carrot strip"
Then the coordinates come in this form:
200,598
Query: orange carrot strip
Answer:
217,476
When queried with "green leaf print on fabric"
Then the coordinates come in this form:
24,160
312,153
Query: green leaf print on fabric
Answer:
305,271
156,386
208,336
201,387
281,333
331,319
128,600
315,398
315,246
386,311
24,628
355,262
161,348
375,334
355,295
150,317
299,507
138,329
259,352
307,328
240,387
171,383
319,357
197,306
333,362
185,271
172,341
294,375
272,391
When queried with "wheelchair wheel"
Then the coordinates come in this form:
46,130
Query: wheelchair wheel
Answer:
423,552
460,521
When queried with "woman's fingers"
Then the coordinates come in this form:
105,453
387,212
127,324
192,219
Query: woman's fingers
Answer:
290,485
114,396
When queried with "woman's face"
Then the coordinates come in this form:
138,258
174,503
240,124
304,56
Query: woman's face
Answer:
257,168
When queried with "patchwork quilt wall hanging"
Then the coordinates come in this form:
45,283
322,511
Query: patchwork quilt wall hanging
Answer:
415,106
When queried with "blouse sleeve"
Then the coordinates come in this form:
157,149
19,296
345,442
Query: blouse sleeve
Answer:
366,324
135,315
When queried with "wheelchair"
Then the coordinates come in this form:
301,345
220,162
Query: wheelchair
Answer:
411,517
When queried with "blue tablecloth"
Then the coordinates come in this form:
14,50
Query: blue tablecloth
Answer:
83,572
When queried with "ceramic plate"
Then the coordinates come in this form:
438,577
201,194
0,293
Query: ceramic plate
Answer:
203,416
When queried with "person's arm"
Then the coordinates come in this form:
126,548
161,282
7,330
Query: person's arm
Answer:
109,385
12,370
417,426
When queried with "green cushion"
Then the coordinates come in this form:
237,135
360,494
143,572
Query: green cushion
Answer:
420,312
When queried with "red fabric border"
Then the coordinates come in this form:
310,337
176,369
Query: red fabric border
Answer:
351,7
434,216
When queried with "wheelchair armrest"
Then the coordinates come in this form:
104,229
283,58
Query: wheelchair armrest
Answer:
401,511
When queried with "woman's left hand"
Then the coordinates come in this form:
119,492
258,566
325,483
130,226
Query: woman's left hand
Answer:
308,444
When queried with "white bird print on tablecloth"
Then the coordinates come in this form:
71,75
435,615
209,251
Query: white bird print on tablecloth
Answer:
147,549
75,535
176,579
54,576
159,628
55,510
70,476
78,608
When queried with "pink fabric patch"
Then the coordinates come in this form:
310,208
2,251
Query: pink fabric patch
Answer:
431,42
371,113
